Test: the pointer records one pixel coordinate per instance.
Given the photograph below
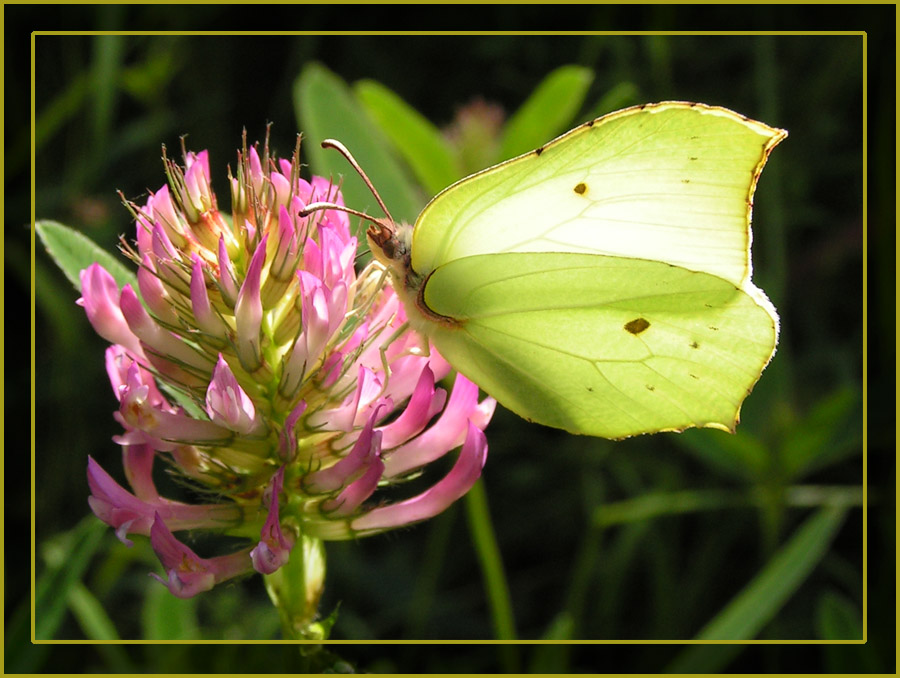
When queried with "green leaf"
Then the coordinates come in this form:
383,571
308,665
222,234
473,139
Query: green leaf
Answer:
326,108
748,612
547,112
741,456
419,142
73,251
620,95
165,617
825,436
68,557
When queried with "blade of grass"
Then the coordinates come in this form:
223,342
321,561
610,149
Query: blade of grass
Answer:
62,108
97,625
839,618
64,572
105,67
90,615
20,654
165,617
418,141
691,501
772,249
748,612
665,503
423,594
567,623
616,569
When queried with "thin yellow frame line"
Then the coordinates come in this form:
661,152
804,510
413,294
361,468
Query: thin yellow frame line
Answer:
480,641
438,641
32,356
448,33
865,326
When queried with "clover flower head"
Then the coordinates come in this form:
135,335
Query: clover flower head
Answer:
261,367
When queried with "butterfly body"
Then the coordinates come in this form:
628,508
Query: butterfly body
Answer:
601,283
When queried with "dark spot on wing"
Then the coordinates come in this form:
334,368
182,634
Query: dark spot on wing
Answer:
636,326
649,387
539,150
581,188
694,344
693,157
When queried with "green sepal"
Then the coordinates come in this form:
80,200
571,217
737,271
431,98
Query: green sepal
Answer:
295,589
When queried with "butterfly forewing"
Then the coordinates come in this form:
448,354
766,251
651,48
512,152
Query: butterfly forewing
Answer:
670,182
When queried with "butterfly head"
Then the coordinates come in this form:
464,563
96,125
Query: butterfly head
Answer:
390,243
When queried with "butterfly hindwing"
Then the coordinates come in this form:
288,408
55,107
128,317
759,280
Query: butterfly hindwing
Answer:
606,346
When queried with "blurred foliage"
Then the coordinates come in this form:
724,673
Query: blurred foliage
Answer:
663,537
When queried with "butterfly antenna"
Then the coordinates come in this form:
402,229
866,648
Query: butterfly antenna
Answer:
338,146
316,206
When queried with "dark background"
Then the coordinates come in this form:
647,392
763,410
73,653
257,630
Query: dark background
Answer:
541,484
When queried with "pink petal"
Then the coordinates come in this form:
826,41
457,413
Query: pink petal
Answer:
425,402
100,299
138,463
287,438
454,485
228,405
163,343
447,433
207,319
274,548
361,456
154,292
248,311
189,574
350,499
226,274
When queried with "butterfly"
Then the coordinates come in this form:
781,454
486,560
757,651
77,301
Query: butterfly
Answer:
600,284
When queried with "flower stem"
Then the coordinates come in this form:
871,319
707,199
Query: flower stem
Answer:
295,589
495,583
